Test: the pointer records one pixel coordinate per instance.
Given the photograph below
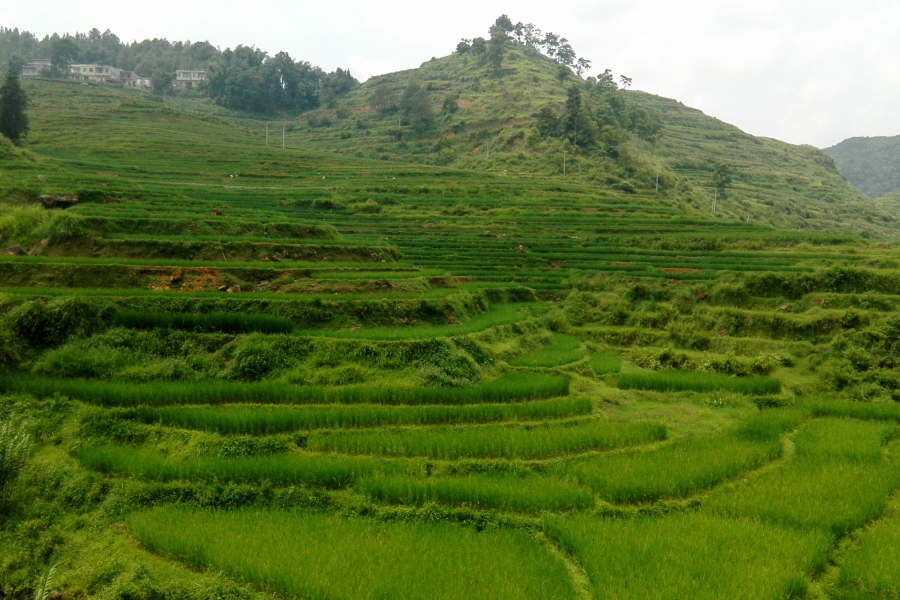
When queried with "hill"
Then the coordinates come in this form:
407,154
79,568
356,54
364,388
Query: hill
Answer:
484,119
871,164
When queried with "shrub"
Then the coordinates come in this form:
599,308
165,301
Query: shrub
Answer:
43,325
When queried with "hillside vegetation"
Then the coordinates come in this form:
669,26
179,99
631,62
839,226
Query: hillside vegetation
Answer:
486,119
871,164
233,371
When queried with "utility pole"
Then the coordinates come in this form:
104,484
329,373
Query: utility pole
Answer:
282,137
267,135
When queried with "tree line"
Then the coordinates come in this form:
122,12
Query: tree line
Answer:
244,78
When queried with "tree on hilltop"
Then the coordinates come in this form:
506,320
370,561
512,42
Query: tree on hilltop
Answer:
13,102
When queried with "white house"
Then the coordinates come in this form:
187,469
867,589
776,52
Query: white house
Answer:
190,78
95,73
35,67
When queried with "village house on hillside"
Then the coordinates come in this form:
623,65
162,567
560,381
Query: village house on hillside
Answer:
184,78
189,78
34,68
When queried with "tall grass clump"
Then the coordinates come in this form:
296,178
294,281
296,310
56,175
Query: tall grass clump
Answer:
323,471
492,441
696,381
692,556
215,322
837,481
605,364
501,492
308,555
508,388
564,350
266,420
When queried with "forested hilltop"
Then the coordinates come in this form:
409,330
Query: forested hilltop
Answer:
870,163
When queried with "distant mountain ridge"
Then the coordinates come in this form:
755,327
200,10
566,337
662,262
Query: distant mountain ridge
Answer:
870,163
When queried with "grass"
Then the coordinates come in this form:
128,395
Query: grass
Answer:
492,441
686,466
216,322
565,349
605,364
263,420
311,555
506,389
322,471
837,481
691,556
682,381
499,492
872,564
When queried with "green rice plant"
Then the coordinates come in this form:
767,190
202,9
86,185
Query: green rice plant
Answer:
675,471
872,565
266,420
880,411
308,555
324,471
501,492
492,441
508,388
837,481
681,381
605,364
565,349
692,556
686,466
216,322
843,439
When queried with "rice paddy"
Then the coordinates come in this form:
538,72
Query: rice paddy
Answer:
680,381
691,556
838,481
493,441
313,555
493,492
267,420
493,385
504,389
324,471
565,349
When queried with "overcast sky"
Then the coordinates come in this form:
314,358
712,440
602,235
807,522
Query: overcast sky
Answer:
804,71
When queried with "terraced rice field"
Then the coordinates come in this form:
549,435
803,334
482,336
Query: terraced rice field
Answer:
338,378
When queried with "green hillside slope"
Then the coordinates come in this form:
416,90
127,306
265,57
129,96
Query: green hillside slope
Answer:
870,163
493,130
